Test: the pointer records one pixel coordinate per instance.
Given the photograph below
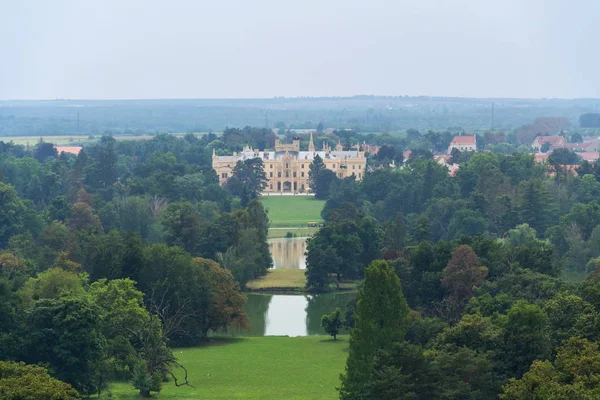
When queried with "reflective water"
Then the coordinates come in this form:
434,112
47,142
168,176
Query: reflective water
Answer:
291,315
288,253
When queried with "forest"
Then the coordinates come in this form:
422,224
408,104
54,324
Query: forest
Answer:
480,285
483,285
359,113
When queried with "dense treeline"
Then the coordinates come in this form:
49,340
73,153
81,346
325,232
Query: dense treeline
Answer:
110,257
481,260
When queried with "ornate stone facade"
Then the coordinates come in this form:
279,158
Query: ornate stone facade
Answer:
287,167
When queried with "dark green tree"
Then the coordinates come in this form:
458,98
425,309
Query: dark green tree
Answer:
248,180
332,323
381,321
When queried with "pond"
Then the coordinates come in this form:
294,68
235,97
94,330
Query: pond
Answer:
288,253
291,315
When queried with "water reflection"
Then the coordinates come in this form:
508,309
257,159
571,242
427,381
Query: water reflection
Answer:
288,253
291,315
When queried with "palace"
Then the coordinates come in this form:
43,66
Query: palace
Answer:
287,167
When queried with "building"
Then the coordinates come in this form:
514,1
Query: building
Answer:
554,141
287,167
463,143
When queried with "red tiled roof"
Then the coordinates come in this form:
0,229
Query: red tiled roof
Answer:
463,140
68,149
589,155
540,157
553,140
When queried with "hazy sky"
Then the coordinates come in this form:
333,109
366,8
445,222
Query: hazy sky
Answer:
264,48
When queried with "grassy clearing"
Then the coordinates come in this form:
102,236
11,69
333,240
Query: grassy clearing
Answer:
257,368
75,139
60,140
275,233
280,279
293,211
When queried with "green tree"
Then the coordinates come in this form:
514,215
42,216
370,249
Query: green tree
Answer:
320,178
65,333
332,323
248,179
526,337
573,375
11,217
32,382
381,320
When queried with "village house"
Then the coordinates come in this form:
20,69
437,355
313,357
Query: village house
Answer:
287,167
463,143
554,141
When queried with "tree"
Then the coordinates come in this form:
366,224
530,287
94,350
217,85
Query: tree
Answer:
463,274
320,178
526,337
380,321
535,206
460,278
332,323
32,382
226,300
248,179
65,333
84,218
44,150
573,375
589,120
11,217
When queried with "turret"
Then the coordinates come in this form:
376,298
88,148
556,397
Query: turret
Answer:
311,144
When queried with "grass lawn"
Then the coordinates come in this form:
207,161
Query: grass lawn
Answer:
275,368
292,211
275,233
285,279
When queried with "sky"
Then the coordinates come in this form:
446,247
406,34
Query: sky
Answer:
137,49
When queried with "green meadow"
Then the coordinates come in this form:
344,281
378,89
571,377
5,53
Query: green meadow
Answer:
266,368
292,211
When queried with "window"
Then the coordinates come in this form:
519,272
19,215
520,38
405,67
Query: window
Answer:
270,174
353,166
271,166
287,174
279,174
294,174
340,175
360,166
223,175
287,165
302,174
333,166
302,166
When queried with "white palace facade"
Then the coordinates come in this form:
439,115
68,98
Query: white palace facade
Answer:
287,167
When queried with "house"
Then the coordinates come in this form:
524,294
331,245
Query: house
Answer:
554,141
590,156
463,143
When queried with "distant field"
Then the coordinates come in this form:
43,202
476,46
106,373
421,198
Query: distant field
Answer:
284,279
266,368
61,140
72,139
292,211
